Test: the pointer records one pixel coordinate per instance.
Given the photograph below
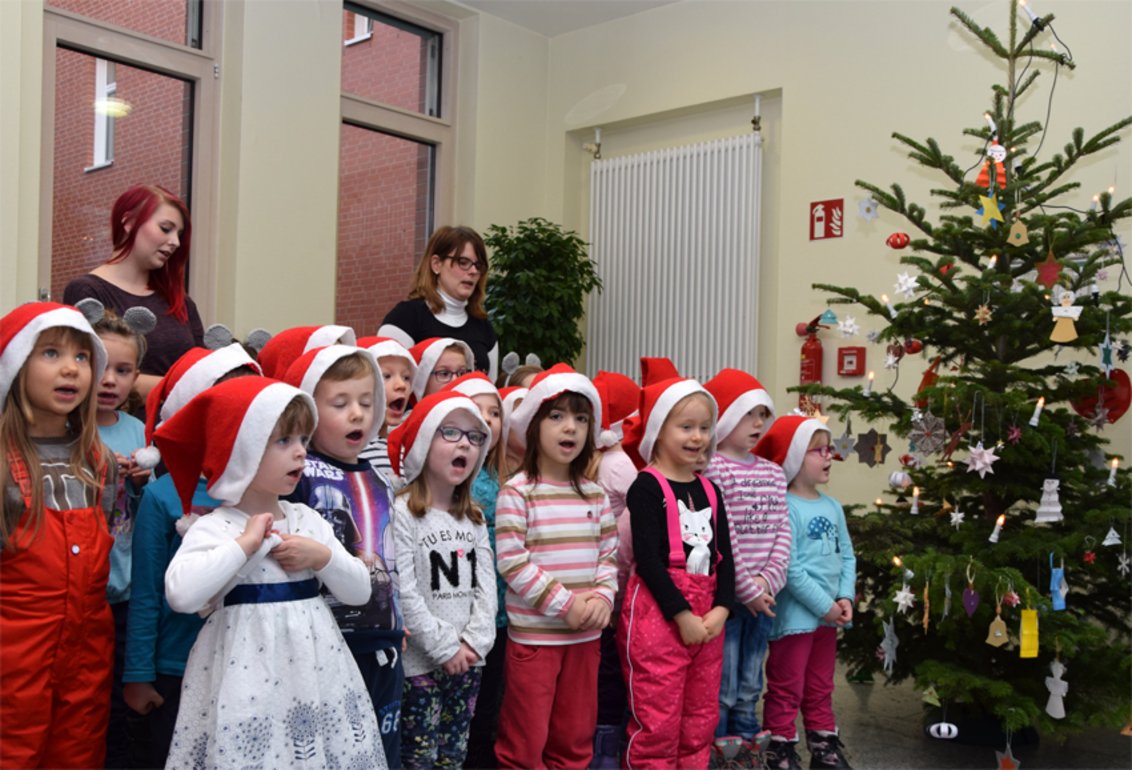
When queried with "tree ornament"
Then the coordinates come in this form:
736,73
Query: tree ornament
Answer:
946,597
848,326
1006,760
997,154
1019,235
872,448
983,314
928,434
991,210
867,209
899,480
957,517
1058,585
904,598
1014,434
1049,509
943,730
1106,354
1072,369
913,346
1112,538
1057,687
996,634
1064,328
843,445
970,595
1124,564
1048,271
1123,351
828,317
906,285
927,605
981,460
888,645
898,241
1090,556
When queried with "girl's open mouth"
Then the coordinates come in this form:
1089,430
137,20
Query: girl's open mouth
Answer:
354,436
396,406
460,462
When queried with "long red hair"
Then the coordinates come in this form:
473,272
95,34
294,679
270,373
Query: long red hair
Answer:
134,207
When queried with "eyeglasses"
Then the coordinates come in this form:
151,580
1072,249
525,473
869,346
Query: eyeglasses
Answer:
447,375
822,451
466,264
452,434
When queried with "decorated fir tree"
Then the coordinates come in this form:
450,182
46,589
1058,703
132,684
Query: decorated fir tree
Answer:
1007,474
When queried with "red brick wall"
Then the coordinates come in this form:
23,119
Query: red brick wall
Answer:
163,19
150,147
390,67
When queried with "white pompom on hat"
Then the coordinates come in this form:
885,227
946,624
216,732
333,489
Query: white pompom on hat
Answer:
787,441
549,385
657,402
737,393
284,348
309,369
427,352
409,442
195,371
222,434
20,329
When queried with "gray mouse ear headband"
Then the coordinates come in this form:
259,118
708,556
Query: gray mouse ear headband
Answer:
509,363
220,336
141,320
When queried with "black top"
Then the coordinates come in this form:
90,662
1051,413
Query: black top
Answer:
645,501
168,341
415,319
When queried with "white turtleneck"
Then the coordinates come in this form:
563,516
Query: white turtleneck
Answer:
454,314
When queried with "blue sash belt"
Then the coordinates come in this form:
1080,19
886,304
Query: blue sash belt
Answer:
263,593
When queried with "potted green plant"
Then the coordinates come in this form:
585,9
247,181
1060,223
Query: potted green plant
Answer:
540,277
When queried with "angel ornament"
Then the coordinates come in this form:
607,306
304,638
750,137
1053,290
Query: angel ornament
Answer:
1055,706
1065,317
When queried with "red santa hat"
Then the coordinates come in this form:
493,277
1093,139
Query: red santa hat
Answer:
387,347
195,371
427,352
309,369
509,397
620,398
549,385
20,329
787,441
409,442
657,402
285,347
737,393
222,435
654,370
474,384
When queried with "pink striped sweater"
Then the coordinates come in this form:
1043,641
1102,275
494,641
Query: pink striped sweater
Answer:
550,545
755,496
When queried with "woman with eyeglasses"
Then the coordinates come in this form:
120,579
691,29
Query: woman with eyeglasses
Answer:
446,299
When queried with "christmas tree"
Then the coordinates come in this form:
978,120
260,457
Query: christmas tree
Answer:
1020,386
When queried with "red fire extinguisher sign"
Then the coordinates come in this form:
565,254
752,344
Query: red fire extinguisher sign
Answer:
827,219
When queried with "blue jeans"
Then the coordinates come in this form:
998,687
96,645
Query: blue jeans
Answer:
745,638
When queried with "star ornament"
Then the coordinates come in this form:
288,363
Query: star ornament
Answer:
1014,434
1006,760
1048,271
1124,564
906,285
891,361
991,209
843,446
848,326
867,209
957,517
981,460
904,598
983,314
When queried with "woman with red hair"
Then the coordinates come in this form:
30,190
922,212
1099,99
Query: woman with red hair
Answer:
151,231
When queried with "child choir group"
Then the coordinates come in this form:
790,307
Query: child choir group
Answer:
342,553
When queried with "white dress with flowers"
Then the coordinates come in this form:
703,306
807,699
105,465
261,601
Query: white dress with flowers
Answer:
269,684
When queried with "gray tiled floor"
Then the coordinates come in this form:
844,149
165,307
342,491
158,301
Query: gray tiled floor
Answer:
882,730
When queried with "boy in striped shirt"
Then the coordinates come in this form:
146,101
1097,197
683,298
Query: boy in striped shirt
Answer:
754,493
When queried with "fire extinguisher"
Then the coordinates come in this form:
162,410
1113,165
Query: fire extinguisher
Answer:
811,366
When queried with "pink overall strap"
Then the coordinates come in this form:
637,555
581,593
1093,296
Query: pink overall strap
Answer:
675,537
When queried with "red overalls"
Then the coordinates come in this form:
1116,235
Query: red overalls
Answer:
56,637
672,689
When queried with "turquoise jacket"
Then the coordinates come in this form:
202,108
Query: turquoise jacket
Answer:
485,488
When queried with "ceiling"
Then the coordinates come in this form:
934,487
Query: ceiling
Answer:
554,17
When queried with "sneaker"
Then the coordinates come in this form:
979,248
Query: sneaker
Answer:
607,747
826,751
723,752
780,755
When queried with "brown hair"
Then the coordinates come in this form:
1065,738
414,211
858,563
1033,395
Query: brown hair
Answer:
571,402
297,418
111,323
352,367
516,377
88,457
420,500
445,242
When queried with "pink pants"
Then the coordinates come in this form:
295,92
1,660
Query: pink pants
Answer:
673,689
799,673
549,709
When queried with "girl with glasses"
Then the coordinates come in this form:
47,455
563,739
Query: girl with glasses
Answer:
446,298
447,567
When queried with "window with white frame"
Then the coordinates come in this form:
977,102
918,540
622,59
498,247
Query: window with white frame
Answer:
362,28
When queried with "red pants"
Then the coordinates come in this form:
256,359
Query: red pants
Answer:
799,673
673,689
549,705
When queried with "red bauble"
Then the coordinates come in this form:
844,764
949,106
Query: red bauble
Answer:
898,240
913,346
1117,394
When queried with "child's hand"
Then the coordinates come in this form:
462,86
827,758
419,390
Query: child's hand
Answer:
762,603
405,640
692,628
577,612
846,612
714,620
298,553
833,615
135,472
597,613
464,659
141,696
255,532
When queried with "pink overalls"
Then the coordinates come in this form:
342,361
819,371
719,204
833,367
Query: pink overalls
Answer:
672,689
56,637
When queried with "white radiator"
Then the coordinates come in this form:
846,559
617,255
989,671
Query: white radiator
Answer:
675,235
